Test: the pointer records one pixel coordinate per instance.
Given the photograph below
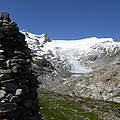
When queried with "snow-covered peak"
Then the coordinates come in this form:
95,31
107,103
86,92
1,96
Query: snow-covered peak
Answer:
77,52
33,37
36,42
83,44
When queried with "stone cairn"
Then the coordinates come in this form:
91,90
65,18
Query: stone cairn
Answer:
18,83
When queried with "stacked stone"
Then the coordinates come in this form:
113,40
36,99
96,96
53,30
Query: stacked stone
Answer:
18,83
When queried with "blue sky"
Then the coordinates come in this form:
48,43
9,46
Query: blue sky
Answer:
66,19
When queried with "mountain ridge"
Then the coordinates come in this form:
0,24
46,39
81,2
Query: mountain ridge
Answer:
88,49
60,62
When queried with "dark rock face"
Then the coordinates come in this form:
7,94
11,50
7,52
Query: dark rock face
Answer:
18,83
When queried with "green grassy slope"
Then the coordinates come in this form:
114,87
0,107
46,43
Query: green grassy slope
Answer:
55,106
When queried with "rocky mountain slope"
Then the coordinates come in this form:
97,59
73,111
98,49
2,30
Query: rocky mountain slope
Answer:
60,63
103,84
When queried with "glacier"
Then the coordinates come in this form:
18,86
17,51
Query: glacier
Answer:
71,50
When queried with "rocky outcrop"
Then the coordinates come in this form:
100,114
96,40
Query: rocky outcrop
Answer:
18,82
102,84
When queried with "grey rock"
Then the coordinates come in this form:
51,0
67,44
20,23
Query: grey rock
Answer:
115,99
19,92
15,99
2,93
6,71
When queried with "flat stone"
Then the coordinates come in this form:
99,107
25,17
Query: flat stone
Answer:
15,99
19,52
1,51
5,71
2,93
7,81
115,99
19,92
